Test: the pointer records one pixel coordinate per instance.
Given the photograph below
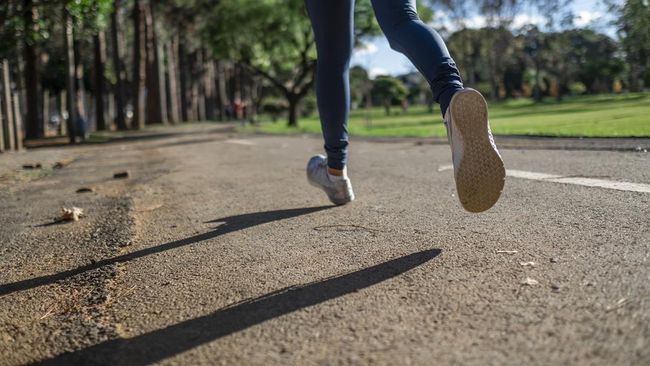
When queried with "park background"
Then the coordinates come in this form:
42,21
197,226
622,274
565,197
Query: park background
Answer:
81,70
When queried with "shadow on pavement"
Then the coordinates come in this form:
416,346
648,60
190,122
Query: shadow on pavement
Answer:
166,342
230,224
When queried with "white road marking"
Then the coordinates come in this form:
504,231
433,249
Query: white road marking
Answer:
241,142
580,181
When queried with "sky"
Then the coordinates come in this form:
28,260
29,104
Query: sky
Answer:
380,59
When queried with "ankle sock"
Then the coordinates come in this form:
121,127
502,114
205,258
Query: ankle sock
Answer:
335,174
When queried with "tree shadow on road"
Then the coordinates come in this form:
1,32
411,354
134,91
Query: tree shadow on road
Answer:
229,224
166,342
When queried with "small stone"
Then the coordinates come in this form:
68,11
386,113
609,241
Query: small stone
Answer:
529,282
555,287
121,175
555,260
32,166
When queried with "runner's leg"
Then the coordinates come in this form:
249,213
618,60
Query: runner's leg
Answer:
333,24
407,34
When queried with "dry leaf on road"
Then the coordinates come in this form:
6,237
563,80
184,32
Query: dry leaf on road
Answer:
71,214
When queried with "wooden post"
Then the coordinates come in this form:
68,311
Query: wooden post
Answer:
9,123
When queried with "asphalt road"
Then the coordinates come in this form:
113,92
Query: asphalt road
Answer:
215,250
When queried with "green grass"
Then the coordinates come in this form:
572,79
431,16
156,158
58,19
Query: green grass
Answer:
588,116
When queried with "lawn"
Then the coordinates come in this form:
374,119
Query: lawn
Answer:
625,115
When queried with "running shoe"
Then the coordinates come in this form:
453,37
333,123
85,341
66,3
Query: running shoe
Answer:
338,189
478,167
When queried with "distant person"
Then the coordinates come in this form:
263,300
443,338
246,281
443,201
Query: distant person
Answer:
404,104
478,167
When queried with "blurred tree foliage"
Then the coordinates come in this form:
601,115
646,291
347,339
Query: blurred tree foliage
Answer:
153,61
389,90
634,29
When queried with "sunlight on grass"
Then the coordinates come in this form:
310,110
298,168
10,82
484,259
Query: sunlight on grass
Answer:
589,116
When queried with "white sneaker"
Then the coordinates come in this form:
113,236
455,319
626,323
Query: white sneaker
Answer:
478,168
338,189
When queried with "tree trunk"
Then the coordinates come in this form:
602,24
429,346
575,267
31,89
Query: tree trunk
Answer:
61,106
70,78
193,109
637,72
80,103
139,64
46,110
18,123
2,129
6,94
182,64
237,94
255,100
162,91
210,94
120,75
200,83
33,120
194,98
223,94
154,105
100,59
293,110
494,87
537,91
494,79
172,83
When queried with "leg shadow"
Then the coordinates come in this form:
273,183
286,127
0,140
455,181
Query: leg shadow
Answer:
163,343
229,225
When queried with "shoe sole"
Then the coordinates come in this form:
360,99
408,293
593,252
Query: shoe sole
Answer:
333,200
481,174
